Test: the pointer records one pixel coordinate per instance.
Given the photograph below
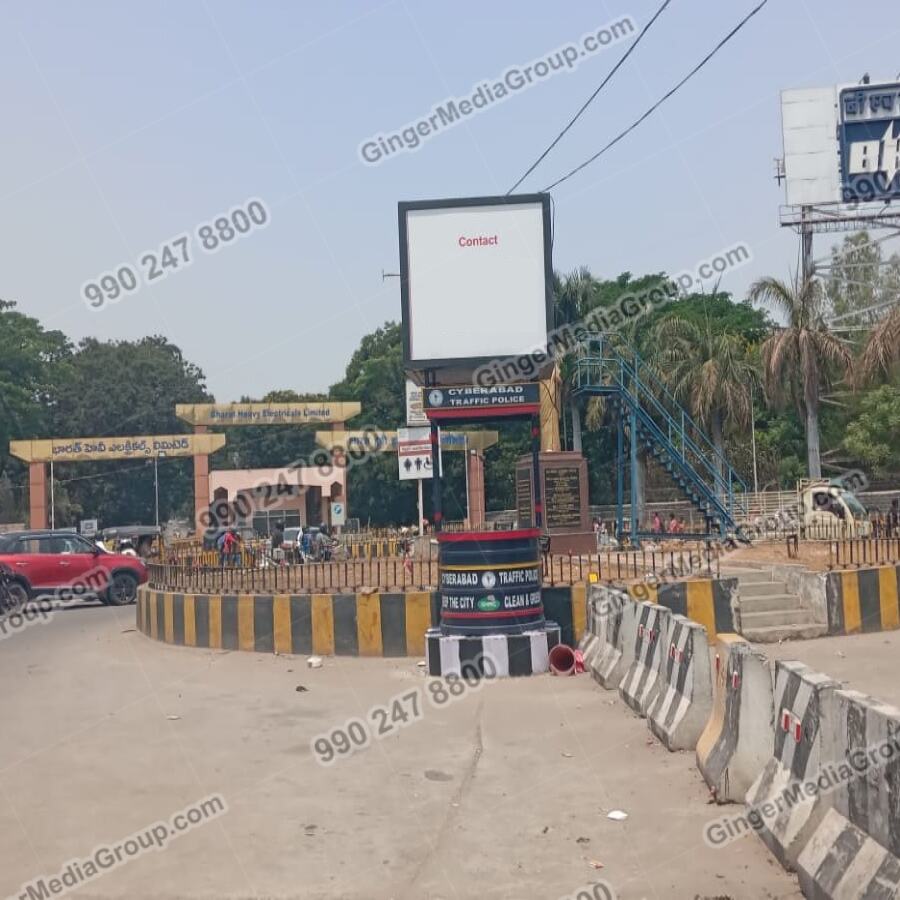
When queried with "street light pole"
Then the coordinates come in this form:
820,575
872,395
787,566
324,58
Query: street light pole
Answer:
753,443
156,483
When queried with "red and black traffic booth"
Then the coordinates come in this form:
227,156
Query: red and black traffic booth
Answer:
491,610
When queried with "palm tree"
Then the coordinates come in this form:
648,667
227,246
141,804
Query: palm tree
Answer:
881,355
709,372
575,297
800,359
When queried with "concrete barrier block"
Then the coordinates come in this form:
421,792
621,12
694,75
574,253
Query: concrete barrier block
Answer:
863,600
801,701
592,642
841,862
641,684
616,621
683,705
738,737
857,844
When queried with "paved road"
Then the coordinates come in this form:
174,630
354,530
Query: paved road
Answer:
503,793
866,662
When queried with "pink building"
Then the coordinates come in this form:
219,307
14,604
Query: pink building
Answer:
258,498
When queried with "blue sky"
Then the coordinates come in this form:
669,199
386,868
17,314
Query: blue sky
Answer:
129,123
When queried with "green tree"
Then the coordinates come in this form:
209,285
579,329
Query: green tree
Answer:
709,372
874,436
803,358
29,356
270,446
881,355
854,278
375,377
123,388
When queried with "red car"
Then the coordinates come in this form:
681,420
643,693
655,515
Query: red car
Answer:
66,565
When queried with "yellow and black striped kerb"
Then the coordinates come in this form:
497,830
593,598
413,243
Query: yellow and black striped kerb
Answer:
383,624
706,601
567,607
862,600
379,624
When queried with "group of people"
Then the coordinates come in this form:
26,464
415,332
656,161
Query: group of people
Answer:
229,545
673,526
886,525
313,544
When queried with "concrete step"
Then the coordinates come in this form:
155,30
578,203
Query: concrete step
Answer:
747,576
769,603
774,617
773,635
761,588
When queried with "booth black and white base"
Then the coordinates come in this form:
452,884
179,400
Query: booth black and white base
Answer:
491,655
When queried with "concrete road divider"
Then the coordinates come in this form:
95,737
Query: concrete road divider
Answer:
616,621
711,602
567,606
854,850
592,641
641,684
739,736
684,702
386,624
840,862
778,795
863,600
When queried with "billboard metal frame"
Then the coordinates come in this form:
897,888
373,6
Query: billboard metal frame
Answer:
404,207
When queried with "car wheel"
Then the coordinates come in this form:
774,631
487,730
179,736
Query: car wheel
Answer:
16,597
122,589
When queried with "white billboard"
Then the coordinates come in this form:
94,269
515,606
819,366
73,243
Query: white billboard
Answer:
475,279
811,153
842,144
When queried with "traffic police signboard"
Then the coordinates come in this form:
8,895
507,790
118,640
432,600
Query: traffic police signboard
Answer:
472,401
414,453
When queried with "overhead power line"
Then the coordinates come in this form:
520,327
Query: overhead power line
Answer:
590,99
662,99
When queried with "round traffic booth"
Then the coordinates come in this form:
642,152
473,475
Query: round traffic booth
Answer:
490,582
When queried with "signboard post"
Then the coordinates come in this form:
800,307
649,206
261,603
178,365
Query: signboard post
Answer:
338,514
476,280
88,527
414,453
414,459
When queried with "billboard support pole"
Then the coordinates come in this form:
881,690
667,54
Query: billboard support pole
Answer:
536,470
421,507
807,266
620,475
437,513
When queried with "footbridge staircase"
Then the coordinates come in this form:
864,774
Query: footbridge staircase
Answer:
651,419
